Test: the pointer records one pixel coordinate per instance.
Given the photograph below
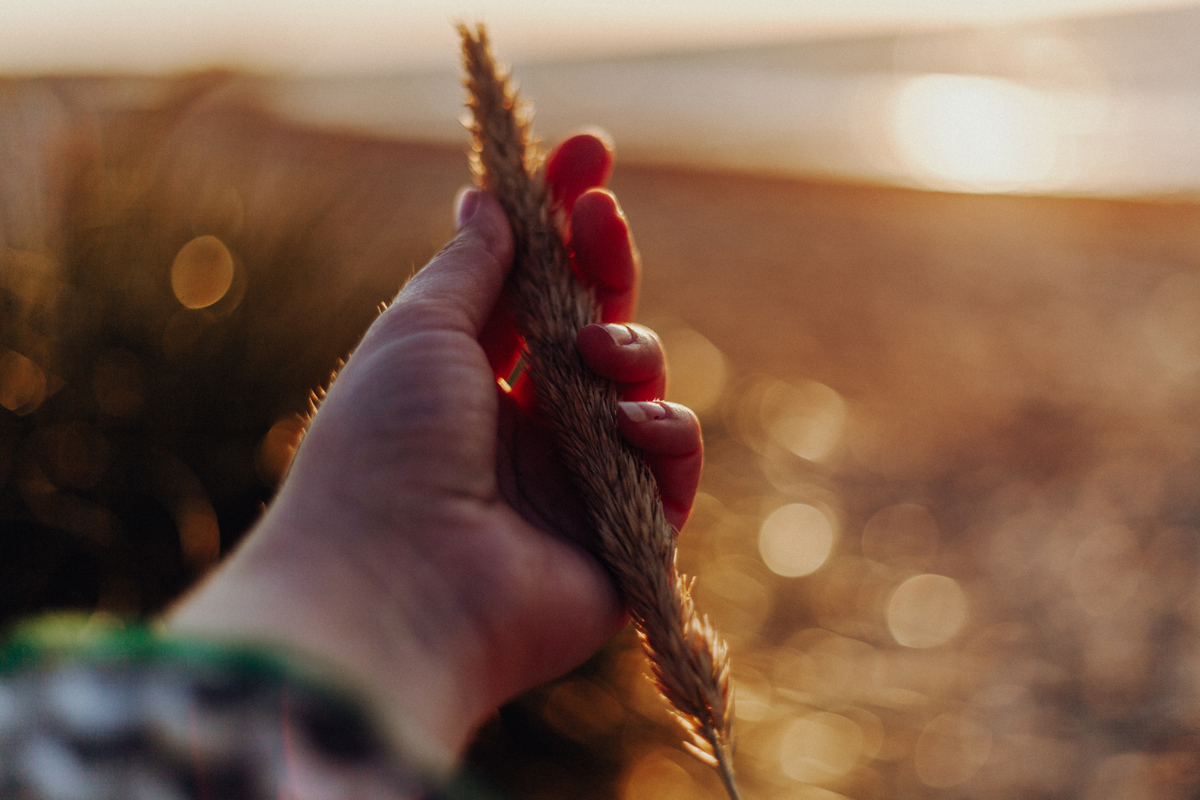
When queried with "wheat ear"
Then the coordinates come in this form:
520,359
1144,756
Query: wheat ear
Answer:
688,661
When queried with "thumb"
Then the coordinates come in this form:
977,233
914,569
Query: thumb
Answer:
465,279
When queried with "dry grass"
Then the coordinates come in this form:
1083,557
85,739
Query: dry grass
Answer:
635,541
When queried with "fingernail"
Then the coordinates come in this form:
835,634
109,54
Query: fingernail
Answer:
621,334
465,206
643,412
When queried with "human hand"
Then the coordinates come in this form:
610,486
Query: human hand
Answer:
420,539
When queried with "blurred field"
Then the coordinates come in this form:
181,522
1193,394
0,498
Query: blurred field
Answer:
948,519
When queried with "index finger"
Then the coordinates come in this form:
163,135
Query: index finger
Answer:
604,255
583,162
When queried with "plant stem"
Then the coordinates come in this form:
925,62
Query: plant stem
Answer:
635,542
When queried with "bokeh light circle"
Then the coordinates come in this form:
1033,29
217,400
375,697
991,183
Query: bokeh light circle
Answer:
796,539
202,272
22,383
820,747
926,611
697,369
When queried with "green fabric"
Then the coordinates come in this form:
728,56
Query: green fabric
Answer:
60,638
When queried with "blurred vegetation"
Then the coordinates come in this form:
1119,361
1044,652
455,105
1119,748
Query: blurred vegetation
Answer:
948,519
186,292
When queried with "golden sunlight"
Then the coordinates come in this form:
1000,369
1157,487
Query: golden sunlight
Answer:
975,134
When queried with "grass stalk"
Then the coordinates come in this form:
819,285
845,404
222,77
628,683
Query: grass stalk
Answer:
688,662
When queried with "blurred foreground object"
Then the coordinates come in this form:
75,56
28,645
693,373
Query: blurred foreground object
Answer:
97,710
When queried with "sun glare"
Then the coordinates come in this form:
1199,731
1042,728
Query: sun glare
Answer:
970,133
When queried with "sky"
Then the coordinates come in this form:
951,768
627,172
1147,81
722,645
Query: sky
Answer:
363,36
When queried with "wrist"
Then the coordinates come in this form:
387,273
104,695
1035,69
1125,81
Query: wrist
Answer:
371,619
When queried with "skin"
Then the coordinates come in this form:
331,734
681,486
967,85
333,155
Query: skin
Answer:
425,543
